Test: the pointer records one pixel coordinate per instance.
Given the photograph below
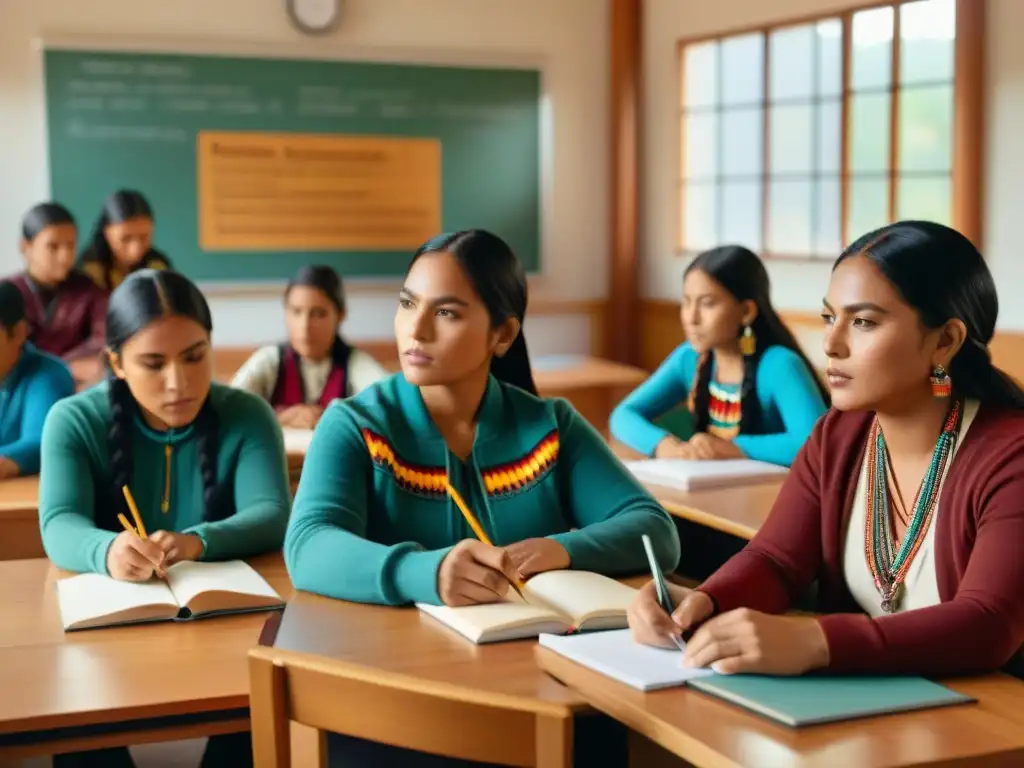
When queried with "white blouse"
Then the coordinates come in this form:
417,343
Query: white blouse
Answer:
259,374
921,586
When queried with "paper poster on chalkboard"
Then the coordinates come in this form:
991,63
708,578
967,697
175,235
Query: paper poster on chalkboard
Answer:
256,166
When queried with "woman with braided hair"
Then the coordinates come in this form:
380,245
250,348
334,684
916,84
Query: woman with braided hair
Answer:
749,388
205,463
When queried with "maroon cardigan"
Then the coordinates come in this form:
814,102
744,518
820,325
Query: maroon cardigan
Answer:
979,554
77,324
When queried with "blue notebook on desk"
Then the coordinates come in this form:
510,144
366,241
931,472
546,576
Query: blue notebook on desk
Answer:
813,699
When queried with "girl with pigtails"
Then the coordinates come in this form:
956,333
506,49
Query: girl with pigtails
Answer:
750,390
205,463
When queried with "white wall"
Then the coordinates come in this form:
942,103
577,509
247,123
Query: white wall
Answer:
799,286
568,39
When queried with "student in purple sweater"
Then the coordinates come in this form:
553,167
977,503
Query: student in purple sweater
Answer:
906,505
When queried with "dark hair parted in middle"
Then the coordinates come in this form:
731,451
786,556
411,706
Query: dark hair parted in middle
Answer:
498,277
942,276
743,274
44,215
143,298
324,279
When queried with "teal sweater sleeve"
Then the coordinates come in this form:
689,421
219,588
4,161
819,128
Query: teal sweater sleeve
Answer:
66,492
326,549
260,485
609,508
632,421
784,380
43,388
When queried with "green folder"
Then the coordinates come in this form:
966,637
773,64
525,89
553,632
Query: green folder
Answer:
813,699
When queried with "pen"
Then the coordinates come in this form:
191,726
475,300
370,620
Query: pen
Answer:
141,529
664,598
475,525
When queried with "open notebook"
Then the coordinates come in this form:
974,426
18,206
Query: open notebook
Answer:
556,602
191,590
297,440
689,475
792,701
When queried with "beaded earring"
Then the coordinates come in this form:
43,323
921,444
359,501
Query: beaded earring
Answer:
748,343
942,385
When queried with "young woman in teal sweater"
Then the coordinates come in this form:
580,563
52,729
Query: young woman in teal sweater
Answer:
204,462
749,388
372,521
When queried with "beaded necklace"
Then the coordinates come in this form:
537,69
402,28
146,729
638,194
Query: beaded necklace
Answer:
888,566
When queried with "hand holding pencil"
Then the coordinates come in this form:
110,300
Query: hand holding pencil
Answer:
132,556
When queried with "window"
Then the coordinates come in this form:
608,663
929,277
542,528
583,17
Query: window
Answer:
797,139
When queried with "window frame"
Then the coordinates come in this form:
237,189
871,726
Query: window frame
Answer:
968,121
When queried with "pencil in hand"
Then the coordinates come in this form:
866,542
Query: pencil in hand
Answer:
517,584
139,527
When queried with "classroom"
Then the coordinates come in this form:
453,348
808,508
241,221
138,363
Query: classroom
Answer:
476,383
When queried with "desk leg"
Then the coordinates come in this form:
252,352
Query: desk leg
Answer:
554,742
644,753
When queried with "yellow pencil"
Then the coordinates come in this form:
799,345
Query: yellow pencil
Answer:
475,525
135,512
125,524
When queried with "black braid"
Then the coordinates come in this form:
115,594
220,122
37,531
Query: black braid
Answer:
122,411
702,394
208,437
750,409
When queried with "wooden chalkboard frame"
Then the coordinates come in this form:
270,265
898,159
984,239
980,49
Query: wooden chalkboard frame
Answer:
313,50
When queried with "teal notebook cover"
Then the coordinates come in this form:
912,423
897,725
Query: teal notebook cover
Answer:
797,701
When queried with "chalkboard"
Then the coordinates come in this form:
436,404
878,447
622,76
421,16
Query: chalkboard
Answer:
256,166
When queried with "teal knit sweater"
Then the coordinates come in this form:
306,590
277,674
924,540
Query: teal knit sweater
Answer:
372,521
76,480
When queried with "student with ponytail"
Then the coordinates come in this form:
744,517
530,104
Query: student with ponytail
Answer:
300,378
906,505
121,241
64,308
749,388
372,520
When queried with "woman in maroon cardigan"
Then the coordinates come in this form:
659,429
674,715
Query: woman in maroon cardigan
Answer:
906,505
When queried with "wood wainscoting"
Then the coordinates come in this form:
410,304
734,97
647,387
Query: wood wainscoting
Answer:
661,332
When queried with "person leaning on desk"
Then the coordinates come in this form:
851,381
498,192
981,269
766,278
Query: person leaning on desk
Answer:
372,520
907,503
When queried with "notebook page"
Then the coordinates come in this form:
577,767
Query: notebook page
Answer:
616,655
188,579
91,596
297,440
579,593
476,621
692,475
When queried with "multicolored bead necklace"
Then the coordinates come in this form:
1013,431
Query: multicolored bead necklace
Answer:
888,566
725,409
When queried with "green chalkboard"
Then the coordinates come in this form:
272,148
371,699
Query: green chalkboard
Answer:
120,120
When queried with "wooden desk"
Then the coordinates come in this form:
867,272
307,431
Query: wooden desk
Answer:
107,687
592,385
739,511
711,733
19,519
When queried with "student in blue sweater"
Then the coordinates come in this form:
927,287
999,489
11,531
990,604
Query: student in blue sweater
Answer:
372,521
31,382
749,388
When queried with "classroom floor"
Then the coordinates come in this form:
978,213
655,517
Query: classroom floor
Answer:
175,754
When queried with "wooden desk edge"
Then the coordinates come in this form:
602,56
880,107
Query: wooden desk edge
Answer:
705,519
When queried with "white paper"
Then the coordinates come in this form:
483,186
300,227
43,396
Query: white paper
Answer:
692,475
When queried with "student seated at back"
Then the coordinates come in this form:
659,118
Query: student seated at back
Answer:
750,391
300,378
205,463
122,241
65,310
906,506
31,382
372,521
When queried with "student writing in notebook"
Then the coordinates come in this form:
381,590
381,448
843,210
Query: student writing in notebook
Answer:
121,241
750,390
372,521
205,463
300,378
31,382
65,310
907,503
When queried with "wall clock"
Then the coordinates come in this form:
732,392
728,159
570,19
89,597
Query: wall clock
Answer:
314,17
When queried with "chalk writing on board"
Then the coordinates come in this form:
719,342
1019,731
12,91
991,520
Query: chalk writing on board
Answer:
85,131
279,191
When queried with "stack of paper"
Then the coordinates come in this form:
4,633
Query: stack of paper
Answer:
692,475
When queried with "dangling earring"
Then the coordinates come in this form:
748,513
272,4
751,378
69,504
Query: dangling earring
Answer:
942,385
748,344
